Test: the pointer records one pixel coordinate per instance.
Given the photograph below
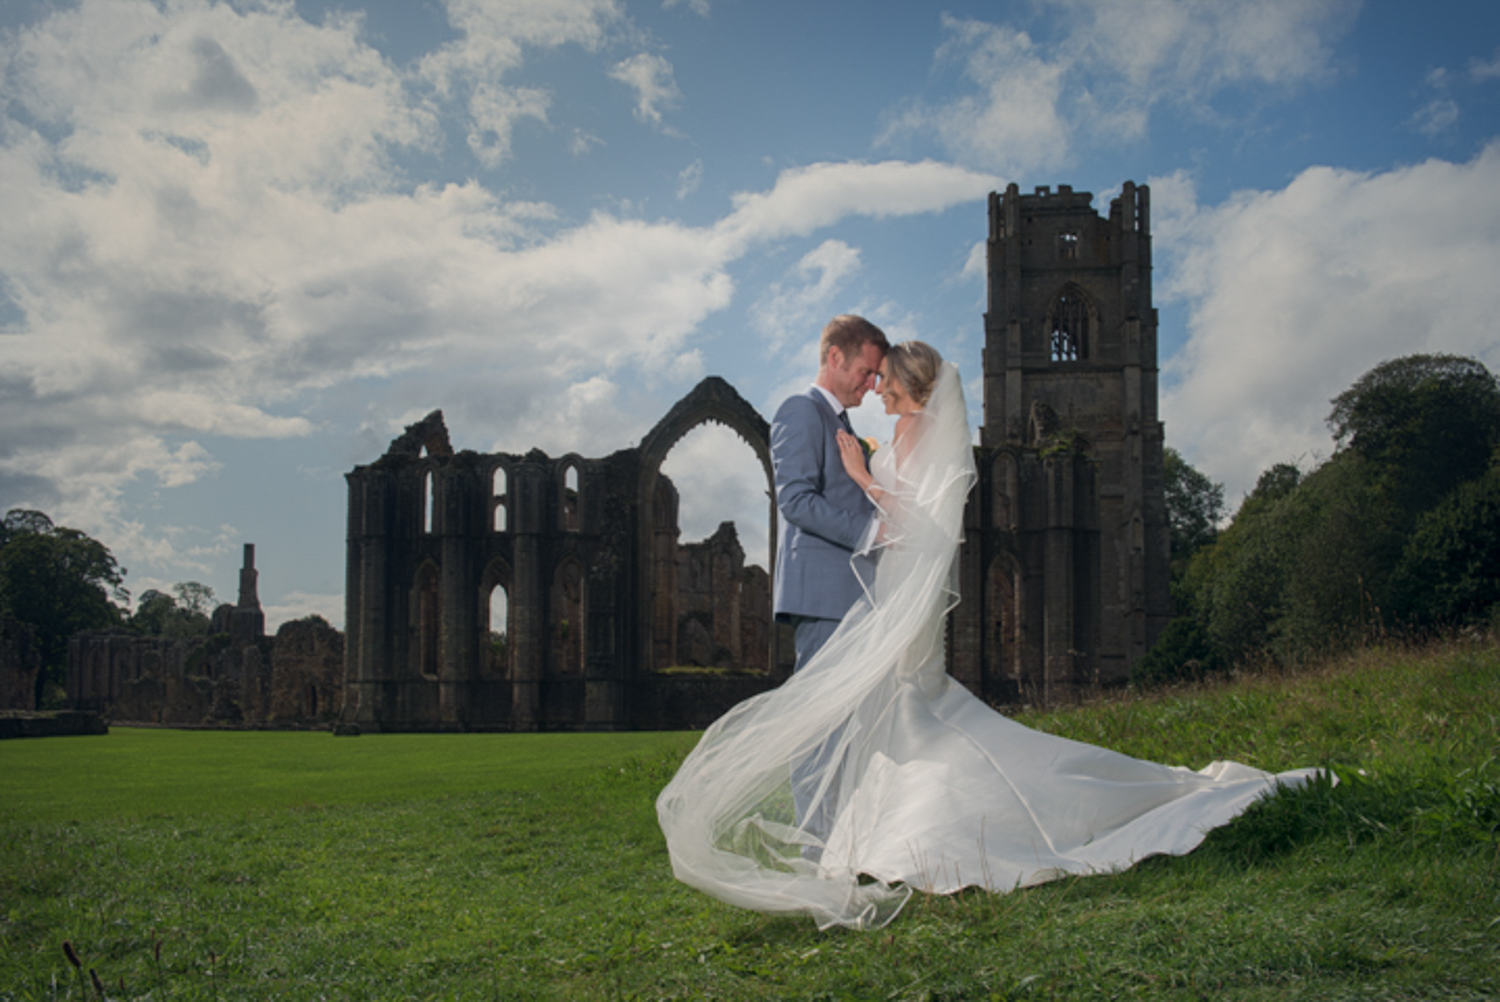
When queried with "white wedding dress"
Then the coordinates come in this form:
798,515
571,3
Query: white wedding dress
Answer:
911,780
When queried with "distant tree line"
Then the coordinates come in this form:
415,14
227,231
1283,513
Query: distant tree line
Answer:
1398,532
58,581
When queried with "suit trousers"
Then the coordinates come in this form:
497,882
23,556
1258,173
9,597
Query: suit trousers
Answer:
809,635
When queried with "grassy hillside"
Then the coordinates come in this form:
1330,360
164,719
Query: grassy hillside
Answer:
197,865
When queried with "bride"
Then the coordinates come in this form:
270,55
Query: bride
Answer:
926,787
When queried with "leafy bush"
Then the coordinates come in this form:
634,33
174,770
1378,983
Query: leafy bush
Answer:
1392,530
1450,570
1182,653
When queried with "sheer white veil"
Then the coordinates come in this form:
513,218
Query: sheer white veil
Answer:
728,814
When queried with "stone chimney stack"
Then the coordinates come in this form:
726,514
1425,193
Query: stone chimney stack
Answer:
247,622
248,597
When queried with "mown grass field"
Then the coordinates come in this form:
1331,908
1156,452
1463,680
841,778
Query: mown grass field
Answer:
210,865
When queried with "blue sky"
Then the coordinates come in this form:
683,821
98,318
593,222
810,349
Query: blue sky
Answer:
242,244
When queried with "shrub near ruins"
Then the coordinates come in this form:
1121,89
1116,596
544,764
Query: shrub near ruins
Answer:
1398,531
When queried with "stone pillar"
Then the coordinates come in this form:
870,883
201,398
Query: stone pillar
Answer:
531,487
353,584
458,587
247,623
1058,579
371,656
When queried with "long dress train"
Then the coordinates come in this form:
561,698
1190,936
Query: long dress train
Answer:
927,787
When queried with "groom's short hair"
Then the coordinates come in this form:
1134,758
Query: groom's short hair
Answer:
849,334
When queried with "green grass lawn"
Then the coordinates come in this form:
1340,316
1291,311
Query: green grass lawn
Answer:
219,865
136,773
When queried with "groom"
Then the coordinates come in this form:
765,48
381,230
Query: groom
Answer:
824,517
824,520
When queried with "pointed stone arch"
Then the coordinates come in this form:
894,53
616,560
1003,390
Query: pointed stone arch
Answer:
570,489
712,401
497,574
499,498
567,610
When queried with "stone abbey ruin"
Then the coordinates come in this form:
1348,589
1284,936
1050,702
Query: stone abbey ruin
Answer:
612,622
237,676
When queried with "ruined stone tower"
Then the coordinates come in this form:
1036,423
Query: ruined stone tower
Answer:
1065,571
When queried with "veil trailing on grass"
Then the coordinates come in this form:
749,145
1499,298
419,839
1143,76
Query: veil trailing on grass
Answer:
904,779
728,814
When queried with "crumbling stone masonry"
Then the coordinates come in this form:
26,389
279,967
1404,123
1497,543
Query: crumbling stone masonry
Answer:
600,597
1063,571
236,676
1064,567
612,622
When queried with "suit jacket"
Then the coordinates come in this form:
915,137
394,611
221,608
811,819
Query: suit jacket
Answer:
822,513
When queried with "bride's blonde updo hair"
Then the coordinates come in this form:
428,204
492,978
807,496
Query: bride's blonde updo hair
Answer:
915,364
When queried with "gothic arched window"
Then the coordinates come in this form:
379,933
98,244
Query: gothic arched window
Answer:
567,618
571,498
1069,325
500,500
494,619
429,502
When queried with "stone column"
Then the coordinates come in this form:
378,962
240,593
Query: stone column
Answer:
1057,575
531,487
373,655
458,587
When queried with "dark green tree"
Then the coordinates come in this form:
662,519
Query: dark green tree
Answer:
1304,566
194,597
1450,570
20,521
1425,423
1234,586
1348,534
1271,486
1237,584
1317,562
151,612
161,615
57,581
1195,506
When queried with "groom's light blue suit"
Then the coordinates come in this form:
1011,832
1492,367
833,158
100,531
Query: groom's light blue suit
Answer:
823,517
823,514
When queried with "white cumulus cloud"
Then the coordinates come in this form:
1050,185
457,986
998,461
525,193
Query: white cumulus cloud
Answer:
1293,294
492,45
1032,103
206,238
801,302
650,76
